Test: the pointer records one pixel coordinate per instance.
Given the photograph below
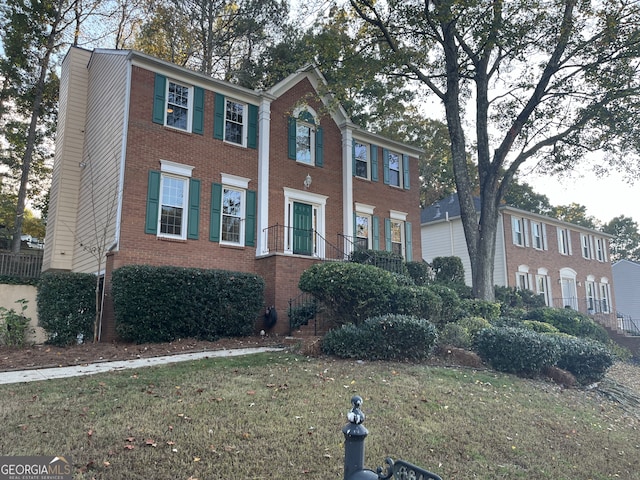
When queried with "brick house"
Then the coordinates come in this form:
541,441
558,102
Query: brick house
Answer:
167,166
567,264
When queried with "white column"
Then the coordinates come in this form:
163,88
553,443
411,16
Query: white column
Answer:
264,126
347,185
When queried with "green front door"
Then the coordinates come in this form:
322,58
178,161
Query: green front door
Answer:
302,229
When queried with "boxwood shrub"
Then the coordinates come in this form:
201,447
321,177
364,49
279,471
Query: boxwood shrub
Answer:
419,302
352,292
517,350
475,307
451,304
420,272
588,360
389,261
386,337
570,321
159,304
66,304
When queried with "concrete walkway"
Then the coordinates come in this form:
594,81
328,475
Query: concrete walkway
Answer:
102,367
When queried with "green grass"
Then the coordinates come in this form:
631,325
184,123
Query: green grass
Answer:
279,416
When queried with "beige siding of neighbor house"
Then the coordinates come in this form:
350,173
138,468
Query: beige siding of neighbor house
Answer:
105,127
10,294
63,201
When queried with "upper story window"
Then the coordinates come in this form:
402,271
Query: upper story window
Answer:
305,137
361,160
178,105
601,255
537,235
235,118
173,202
564,241
396,169
517,228
585,242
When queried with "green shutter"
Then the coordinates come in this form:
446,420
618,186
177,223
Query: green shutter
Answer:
319,147
218,117
198,110
408,241
252,128
216,212
405,169
374,163
385,163
250,220
292,138
376,233
193,221
153,203
387,234
159,104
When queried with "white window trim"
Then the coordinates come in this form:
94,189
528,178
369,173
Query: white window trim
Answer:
185,207
317,201
235,181
397,215
400,168
245,115
543,275
364,208
189,105
517,221
313,127
523,271
540,236
569,274
243,214
180,169
370,218
401,220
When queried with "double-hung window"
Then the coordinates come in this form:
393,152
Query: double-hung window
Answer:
305,139
564,241
517,228
361,160
600,250
235,118
394,170
233,212
537,235
585,242
605,302
542,286
398,234
173,202
178,106
363,231
591,296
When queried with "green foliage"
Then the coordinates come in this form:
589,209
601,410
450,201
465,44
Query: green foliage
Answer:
481,308
300,315
66,306
420,272
521,195
419,302
587,360
540,327
473,325
626,241
387,337
389,261
454,335
451,304
351,291
570,321
14,326
158,304
512,298
517,350
448,270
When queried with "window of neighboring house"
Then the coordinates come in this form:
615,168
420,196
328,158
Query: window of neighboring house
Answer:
397,237
564,241
522,278
542,287
518,231
232,230
600,250
591,296
178,106
585,241
363,231
605,295
395,178
568,286
361,160
235,121
537,235
305,138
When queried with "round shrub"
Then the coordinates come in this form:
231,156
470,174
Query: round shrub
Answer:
587,360
451,304
473,325
416,301
448,270
517,350
540,327
67,306
474,307
570,321
387,337
454,335
352,291
420,272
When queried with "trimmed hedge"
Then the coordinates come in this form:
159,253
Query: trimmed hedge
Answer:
387,337
390,261
587,360
448,270
517,350
351,291
66,305
420,272
570,321
159,304
451,304
481,308
418,302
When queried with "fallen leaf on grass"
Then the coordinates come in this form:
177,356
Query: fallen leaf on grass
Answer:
129,446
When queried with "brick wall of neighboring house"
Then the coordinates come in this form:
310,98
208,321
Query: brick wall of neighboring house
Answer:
554,261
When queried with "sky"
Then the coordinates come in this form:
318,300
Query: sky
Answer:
604,197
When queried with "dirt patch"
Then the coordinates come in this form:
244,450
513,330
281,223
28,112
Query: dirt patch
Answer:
46,356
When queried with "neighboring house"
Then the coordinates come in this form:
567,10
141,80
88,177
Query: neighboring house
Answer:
172,167
567,264
626,281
